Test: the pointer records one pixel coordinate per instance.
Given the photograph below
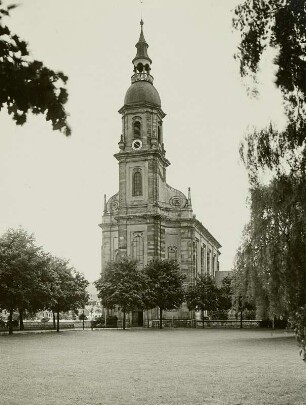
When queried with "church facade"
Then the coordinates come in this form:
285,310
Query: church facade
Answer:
147,218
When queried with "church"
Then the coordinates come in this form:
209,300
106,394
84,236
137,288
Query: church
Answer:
147,218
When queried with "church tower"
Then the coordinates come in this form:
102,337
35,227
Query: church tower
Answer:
147,218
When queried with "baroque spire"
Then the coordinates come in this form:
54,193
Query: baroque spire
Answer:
142,62
142,46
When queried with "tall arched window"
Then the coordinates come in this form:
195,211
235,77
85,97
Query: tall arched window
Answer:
208,261
159,135
202,259
137,129
137,247
137,183
214,265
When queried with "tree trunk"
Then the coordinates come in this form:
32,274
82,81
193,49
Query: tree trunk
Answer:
241,319
21,325
54,323
10,322
160,318
57,321
123,320
203,318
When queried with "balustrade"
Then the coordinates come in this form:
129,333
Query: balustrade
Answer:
137,77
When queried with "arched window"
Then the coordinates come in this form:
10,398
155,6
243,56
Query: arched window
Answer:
137,129
159,135
140,67
137,183
137,247
214,265
195,255
208,261
202,259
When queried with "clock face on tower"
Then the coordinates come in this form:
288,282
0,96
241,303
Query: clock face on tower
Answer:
137,144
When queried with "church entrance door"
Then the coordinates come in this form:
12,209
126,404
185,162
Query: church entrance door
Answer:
137,318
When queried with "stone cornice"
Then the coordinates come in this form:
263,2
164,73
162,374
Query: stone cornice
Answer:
109,225
138,216
144,105
142,154
179,222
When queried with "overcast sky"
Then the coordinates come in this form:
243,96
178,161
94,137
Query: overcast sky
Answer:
53,186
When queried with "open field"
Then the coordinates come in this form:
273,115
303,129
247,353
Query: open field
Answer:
193,366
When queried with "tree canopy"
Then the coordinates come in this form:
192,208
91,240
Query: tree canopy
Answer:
27,85
67,288
278,24
33,280
203,295
122,284
225,293
22,264
270,263
281,25
165,288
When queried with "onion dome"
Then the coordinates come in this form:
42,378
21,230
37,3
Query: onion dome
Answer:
142,90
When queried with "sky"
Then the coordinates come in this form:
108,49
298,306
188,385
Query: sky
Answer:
53,186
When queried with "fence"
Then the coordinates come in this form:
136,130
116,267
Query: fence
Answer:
40,326
166,323
229,323
173,323
193,323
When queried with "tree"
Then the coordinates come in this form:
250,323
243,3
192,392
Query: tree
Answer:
272,256
27,85
281,25
271,260
203,296
67,288
22,264
278,24
225,293
122,284
225,296
33,280
164,286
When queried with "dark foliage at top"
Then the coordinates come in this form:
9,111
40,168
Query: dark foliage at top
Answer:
27,85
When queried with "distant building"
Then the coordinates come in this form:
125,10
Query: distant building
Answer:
147,218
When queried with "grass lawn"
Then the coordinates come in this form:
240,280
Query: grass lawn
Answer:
177,366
